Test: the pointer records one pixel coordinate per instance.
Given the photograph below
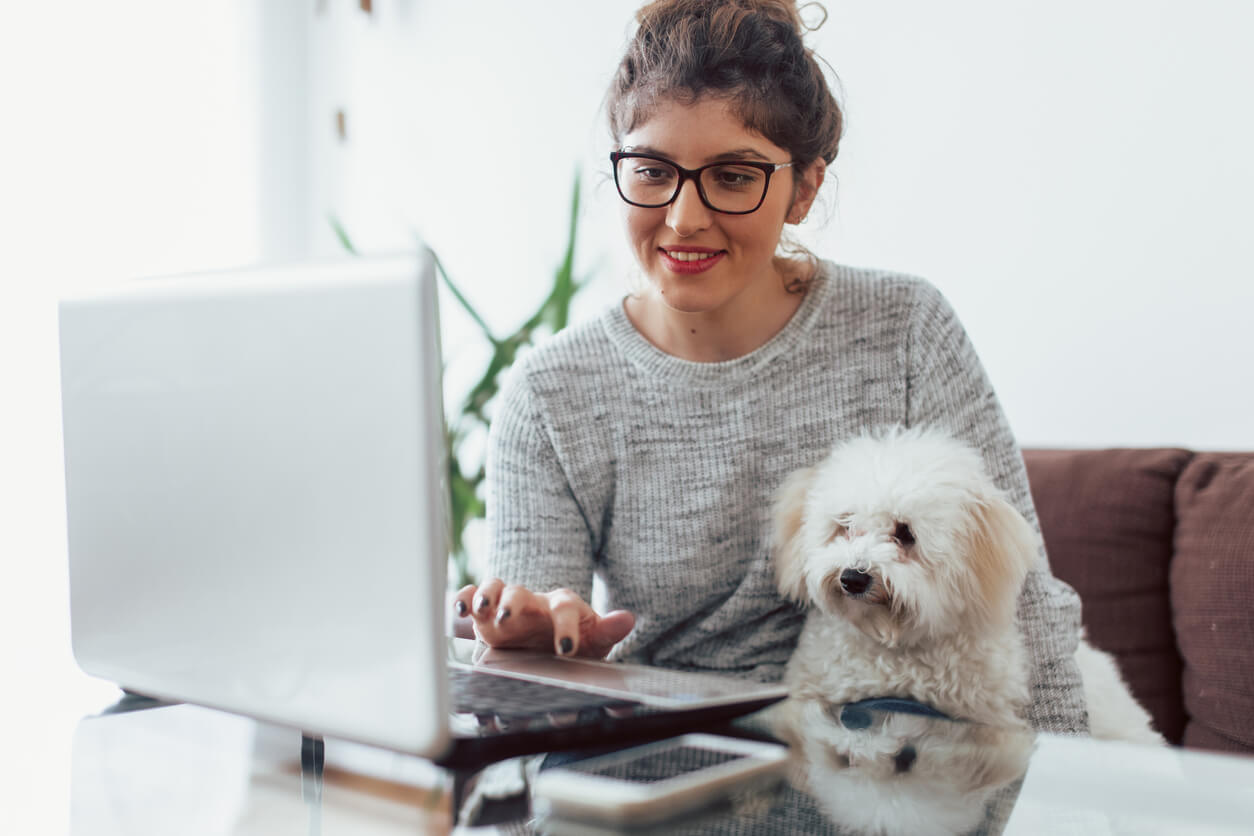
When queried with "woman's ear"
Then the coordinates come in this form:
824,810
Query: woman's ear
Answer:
787,516
808,183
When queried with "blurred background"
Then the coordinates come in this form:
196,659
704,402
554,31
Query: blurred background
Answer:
1074,175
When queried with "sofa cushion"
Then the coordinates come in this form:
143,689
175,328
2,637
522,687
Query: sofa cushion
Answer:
1211,579
1107,517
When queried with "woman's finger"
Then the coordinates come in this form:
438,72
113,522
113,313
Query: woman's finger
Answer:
483,604
569,611
514,616
520,619
462,600
518,605
608,631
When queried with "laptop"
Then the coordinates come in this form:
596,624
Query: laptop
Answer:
257,521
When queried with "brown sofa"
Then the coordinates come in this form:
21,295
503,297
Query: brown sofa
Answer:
1160,545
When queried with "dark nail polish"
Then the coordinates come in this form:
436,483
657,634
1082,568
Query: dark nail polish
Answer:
460,608
566,645
482,604
502,615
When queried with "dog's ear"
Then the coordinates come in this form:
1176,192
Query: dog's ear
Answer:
981,756
1002,550
787,514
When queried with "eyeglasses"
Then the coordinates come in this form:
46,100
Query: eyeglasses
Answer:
735,187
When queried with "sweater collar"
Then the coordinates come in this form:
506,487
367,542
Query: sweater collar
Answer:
657,363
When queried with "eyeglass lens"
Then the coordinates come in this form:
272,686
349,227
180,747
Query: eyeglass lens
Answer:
728,187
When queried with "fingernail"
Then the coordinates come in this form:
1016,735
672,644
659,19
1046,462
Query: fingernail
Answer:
502,615
482,604
460,608
566,645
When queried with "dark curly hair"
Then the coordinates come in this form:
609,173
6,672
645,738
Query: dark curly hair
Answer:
749,52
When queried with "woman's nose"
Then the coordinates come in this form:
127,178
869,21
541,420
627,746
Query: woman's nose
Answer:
687,214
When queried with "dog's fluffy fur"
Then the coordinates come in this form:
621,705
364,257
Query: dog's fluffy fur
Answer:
905,773
910,562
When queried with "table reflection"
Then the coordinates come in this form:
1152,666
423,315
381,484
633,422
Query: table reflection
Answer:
875,767
861,769
189,770
890,767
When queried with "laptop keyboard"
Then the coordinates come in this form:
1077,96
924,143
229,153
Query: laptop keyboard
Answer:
475,692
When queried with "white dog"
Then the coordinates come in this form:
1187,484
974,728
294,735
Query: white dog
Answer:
893,773
910,562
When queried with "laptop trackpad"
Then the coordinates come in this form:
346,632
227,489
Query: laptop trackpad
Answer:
658,687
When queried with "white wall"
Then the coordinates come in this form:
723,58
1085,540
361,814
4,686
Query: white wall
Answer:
1076,177
1073,175
129,145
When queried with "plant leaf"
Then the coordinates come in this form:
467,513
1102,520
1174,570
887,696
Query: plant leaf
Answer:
457,294
465,491
342,234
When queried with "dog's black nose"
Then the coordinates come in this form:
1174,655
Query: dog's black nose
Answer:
854,582
905,759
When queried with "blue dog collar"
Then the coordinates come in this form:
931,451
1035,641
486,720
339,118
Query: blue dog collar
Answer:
858,715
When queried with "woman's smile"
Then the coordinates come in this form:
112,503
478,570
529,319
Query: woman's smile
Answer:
690,260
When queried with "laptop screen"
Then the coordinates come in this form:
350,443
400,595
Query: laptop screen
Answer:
256,514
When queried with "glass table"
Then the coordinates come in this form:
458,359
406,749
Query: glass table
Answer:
191,770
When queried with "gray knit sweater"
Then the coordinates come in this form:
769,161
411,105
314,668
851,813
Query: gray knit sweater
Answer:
609,457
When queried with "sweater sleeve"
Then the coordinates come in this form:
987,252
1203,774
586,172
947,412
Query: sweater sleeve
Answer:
538,536
947,387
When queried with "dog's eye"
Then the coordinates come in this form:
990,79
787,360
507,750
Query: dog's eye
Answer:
903,535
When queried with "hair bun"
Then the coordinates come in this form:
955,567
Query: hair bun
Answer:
750,52
781,10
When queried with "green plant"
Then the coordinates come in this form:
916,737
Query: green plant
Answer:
465,478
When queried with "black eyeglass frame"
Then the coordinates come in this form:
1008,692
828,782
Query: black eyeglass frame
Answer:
694,174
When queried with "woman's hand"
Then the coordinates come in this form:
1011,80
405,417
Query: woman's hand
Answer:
506,615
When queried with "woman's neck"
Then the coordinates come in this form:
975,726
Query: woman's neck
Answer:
744,324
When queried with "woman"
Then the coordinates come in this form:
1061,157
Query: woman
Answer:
644,447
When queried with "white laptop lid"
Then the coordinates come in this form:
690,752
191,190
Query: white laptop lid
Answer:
254,465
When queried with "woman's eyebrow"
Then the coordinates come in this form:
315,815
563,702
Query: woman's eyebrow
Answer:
740,154
734,154
643,149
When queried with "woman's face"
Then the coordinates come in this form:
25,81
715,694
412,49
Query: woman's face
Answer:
699,260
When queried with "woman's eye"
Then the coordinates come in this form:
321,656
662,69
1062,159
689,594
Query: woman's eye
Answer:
903,535
736,178
653,175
